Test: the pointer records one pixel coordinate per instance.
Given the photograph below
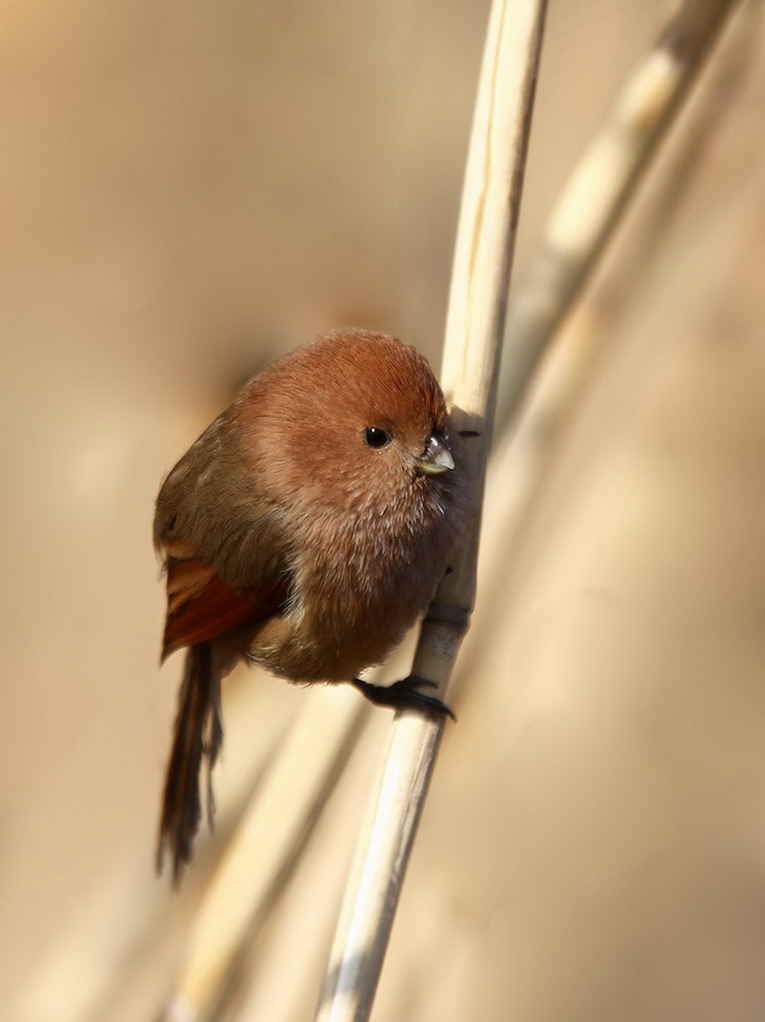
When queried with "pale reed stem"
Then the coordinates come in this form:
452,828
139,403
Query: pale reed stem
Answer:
475,323
599,191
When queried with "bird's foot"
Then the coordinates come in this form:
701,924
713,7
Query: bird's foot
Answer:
405,695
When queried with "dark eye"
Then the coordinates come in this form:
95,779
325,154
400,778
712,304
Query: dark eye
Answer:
376,437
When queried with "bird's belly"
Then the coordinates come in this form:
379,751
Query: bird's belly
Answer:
325,648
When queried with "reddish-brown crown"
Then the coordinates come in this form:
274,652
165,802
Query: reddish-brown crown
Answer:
305,419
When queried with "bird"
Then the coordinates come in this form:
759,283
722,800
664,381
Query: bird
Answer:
305,531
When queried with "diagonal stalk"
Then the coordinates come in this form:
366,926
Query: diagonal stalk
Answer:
475,324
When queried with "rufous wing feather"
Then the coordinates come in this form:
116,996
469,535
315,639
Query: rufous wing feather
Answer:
201,606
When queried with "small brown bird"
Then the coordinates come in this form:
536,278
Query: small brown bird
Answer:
304,530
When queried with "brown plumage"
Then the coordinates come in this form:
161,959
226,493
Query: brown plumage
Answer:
305,530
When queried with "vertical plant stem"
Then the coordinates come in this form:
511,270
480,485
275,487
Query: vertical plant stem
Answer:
475,323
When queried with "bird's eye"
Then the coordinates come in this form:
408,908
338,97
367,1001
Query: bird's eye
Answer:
376,437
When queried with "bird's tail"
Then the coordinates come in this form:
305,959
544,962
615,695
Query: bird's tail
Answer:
198,736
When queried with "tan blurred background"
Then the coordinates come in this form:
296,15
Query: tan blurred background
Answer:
189,189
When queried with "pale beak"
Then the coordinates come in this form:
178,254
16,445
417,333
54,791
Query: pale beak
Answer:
436,459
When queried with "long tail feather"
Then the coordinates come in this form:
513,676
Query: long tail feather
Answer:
198,736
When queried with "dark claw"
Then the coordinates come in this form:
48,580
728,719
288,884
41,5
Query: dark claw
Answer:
405,695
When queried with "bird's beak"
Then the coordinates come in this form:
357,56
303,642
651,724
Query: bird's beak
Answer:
436,459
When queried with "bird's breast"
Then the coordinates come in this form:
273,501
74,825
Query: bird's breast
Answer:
358,585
